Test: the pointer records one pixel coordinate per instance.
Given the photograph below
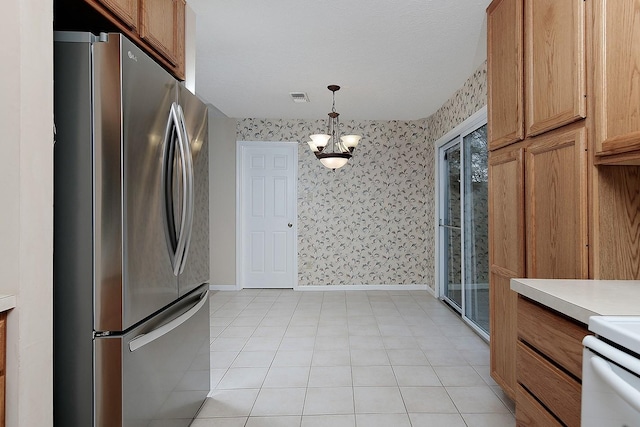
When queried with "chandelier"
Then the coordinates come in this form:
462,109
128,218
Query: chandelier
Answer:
341,146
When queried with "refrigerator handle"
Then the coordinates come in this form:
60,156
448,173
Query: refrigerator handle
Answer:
189,193
168,154
144,339
175,241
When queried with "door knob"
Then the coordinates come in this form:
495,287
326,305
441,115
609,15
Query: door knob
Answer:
289,225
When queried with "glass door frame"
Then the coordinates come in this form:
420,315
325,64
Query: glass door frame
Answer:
446,230
451,139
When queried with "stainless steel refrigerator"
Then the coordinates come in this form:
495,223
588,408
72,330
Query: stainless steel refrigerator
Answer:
131,238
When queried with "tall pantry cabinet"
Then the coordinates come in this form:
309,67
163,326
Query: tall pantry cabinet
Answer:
535,59
563,101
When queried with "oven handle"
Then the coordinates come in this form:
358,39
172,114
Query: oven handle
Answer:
627,392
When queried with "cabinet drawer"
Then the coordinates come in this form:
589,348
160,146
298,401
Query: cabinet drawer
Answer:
552,334
555,389
531,413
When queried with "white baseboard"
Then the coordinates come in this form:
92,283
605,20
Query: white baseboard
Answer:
431,291
327,288
223,287
311,288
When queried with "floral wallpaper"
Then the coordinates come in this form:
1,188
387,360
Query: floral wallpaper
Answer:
363,224
471,97
372,221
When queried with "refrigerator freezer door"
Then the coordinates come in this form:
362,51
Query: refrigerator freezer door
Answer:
133,100
166,380
196,268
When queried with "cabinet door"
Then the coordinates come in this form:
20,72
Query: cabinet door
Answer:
504,72
555,87
556,205
506,257
162,26
125,10
617,82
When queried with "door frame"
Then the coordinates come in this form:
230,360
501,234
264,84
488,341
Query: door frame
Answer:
240,147
440,191
476,120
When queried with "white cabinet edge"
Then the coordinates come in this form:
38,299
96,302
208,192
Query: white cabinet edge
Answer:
581,299
7,302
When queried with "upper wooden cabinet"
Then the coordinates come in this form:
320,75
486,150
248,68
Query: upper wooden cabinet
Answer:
505,67
125,10
536,67
162,26
616,88
556,205
156,26
555,89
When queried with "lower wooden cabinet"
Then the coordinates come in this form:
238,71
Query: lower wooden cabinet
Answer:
530,412
549,366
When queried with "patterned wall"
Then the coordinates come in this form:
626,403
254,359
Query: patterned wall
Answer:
471,97
363,224
371,222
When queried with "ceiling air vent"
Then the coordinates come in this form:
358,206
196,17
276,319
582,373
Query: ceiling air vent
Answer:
299,97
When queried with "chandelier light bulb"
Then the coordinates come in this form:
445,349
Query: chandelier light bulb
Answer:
313,147
334,162
320,139
350,141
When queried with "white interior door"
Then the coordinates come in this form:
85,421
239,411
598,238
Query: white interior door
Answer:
267,214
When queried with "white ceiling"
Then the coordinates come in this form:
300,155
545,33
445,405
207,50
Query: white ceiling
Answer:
394,59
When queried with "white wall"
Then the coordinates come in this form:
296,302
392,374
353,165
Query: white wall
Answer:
190,49
222,200
26,223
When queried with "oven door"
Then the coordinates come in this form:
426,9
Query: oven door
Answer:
610,386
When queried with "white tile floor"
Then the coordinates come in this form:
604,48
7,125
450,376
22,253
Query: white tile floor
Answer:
281,358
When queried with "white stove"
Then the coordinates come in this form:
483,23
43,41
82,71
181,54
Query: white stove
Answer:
611,372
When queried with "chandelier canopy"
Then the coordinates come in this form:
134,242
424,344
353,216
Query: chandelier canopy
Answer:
341,146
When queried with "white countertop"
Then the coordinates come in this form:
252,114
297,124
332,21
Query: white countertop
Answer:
7,302
581,299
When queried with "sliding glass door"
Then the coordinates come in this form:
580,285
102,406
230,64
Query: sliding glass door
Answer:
476,228
463,226
451,225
